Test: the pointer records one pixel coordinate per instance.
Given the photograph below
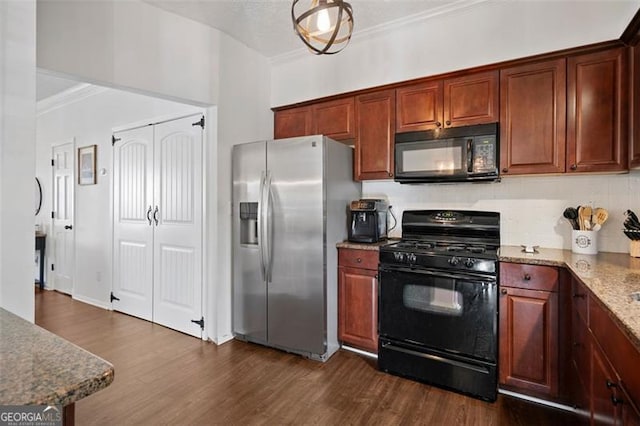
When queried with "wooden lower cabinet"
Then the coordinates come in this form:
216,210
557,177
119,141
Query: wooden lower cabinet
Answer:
605,378
358,299
529,341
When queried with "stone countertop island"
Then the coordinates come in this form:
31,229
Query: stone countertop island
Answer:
40,368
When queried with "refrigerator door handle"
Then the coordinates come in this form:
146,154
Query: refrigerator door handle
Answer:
261,223
269,227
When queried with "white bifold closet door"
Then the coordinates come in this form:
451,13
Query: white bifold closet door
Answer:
158,224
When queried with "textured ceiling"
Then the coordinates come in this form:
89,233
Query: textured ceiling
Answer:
265,25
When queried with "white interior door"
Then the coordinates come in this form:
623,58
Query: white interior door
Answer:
133,223
62,241
178,225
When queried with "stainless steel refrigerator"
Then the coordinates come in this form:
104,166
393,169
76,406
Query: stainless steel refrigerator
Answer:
290,202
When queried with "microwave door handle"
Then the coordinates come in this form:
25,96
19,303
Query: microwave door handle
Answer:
470,155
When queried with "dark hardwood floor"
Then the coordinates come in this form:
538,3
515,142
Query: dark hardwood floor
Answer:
165,377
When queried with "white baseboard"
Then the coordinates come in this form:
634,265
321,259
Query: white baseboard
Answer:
93,302
222,339
536,400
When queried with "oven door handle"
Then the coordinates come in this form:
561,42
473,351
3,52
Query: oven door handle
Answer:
438,273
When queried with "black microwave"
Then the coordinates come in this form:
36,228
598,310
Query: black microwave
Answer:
457,154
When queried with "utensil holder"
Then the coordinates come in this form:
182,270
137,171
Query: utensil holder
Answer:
584,242
634,248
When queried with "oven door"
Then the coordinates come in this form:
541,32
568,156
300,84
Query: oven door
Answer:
442,310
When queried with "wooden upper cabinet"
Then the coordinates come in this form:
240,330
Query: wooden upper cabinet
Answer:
471,99
460,101
634,155
293,122
335,119
532,118
375,121
597,114
419,107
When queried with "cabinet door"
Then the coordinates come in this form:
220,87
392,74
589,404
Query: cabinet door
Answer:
293,122
532,118
597,112
635,107
471,99
358,308
335,119
375,121
419,107
529,341
604,406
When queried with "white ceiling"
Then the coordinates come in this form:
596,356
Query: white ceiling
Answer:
265,25
48,85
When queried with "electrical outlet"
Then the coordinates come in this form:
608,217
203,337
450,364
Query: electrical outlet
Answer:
99,276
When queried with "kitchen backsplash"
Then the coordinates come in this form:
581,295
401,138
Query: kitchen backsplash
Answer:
531,207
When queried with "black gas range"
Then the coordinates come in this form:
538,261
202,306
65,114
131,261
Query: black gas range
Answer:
438,301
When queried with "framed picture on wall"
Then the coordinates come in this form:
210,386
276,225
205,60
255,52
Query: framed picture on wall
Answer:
87,165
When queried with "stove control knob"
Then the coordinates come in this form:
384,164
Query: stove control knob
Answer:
469,263
399,256
411,257
453,261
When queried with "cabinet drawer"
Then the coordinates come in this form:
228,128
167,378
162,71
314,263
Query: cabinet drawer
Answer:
579,296
532,277
353,258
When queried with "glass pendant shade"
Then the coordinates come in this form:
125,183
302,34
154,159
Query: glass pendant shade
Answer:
325,26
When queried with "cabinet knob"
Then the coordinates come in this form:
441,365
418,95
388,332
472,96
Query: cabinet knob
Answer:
438,124
610,384
576,344
526,277
359,260
616,401
579,296
574,167
503,291
376,276
505,170
390,174
448,123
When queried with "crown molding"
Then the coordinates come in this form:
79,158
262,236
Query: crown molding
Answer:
69,96
386,27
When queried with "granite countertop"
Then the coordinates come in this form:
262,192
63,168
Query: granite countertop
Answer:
366,246
40,368
611,277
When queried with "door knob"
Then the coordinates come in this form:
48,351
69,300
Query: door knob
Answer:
68,227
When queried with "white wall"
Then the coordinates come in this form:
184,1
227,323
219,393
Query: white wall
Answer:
109,42
485,33
91,121
243,116
129,44
531,207
17,144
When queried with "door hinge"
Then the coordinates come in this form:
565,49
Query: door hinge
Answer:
200,322
112,297
53,163
114,140
53,215
199,123
53,267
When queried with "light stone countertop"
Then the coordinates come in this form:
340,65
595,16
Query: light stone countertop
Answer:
366,246
37,367
611,277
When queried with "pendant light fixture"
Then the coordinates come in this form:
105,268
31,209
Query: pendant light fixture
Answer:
325,26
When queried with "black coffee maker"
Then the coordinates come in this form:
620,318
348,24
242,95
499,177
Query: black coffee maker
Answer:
368,220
